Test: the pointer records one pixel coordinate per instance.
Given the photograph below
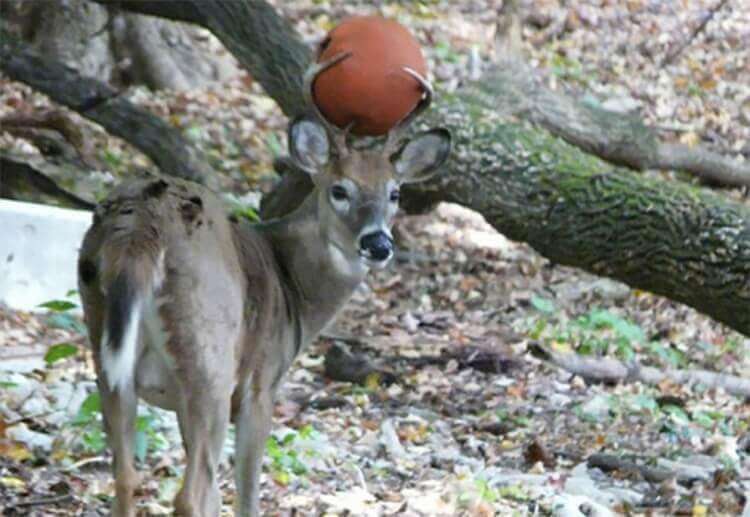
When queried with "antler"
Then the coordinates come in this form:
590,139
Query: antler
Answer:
337,135
396,132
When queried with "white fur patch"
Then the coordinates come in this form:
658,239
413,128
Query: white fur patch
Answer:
118,363
342,264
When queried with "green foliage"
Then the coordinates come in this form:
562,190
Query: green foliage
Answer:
444,52
487,493
246,212
542,304
88,419
570,69
287,453
114,160
147,438
59,352
61,317
669,355
92,436
503,415
58,305
598,332
195,133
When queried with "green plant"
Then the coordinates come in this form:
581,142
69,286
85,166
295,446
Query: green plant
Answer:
287,453
93,440
246,212
61,315
147,438
88,420
444,52
542,304
567,68
59,352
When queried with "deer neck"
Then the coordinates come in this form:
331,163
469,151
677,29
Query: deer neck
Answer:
319,275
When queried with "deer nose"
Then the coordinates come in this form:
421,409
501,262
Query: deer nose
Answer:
376,246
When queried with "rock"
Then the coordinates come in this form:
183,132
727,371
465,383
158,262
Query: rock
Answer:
597,407
389,440
19,389
35,406
566,505
32,439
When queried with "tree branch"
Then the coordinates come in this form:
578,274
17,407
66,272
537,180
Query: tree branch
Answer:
620,138
263,42
176,10
606,369
165,145
17,175
697,30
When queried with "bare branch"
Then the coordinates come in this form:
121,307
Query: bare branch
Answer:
697,30
165,145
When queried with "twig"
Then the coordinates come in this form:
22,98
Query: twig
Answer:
85,461
697,30
610,462
46,501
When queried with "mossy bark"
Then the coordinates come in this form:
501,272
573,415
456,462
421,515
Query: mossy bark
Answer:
670,238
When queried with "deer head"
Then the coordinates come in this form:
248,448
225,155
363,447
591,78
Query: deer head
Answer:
358,189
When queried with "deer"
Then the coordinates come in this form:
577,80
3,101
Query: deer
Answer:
202,313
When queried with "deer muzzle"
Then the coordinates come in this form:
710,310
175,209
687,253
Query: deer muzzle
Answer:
376,248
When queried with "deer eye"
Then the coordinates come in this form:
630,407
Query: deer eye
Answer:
339,193
395,195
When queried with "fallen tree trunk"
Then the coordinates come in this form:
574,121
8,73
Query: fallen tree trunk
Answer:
679,241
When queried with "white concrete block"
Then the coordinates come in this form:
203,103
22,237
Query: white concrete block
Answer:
38,252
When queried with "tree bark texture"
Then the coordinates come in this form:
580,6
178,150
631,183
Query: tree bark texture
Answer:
263,42
620,138
24,180
120,48
96,101
676,240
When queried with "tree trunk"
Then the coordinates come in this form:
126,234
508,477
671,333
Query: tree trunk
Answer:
102,104
120,48
683,242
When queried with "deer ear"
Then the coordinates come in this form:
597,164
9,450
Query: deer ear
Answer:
420,159
308,145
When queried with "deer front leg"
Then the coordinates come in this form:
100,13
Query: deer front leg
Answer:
203,423
119,411
253,426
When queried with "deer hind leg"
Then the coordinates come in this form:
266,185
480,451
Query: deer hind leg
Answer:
119,410
253,426
203,420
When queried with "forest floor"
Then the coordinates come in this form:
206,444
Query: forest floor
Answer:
460,416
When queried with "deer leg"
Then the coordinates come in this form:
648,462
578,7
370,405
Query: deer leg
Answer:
203,423
119,411
253,426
